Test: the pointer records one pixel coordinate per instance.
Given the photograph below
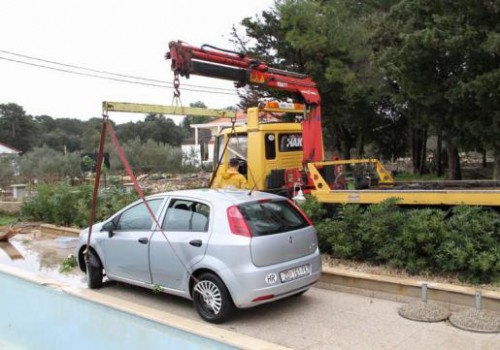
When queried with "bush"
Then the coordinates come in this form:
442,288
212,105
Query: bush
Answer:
416,246
420,241
472,247
379,226
49,165
313,209
148,157
67,205
340,236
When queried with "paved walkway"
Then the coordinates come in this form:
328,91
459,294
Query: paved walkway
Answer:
327,320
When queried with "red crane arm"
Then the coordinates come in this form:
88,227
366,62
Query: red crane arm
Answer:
217,63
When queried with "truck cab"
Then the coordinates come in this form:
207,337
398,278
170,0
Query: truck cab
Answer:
267,152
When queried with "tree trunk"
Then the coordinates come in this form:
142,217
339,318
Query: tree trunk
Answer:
418,141
439,155
423,153
454,172
346,150
496,165
360,148
341,142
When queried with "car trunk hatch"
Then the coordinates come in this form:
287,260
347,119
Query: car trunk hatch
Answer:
277,248
280,232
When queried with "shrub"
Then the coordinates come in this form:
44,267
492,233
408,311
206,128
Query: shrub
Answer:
313,209
340,236
67,205
380,225
7,171
148,157
420,241
417,245
472,247
49,165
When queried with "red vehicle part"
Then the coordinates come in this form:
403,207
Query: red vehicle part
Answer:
228,65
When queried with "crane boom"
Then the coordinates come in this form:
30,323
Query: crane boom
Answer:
212,62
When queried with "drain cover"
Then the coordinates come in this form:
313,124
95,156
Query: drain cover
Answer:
424,312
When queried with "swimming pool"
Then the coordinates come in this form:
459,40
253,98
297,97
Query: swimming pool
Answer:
40,314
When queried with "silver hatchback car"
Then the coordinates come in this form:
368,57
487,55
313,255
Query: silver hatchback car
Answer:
223,249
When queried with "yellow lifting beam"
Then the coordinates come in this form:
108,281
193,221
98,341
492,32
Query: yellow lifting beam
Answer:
128,107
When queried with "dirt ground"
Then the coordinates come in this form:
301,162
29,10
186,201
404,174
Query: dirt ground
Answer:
382,270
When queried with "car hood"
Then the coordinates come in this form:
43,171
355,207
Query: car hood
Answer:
95,228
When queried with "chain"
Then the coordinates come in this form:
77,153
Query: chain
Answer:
177,83
176,99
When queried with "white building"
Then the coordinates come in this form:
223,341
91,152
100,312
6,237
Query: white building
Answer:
8,151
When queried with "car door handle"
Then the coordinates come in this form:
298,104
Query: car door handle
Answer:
196,242
143,240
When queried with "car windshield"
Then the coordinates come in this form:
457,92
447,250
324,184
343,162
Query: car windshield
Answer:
270,217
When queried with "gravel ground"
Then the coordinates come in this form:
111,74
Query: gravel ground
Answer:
424,312
483,321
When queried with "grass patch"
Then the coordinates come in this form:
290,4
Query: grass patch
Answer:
7,219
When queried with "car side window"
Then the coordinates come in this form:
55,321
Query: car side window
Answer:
186,215
138,218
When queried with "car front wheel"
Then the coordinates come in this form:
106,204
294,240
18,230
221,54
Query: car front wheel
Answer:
94,271
211,299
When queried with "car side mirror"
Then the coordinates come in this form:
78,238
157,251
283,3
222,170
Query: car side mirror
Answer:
110,226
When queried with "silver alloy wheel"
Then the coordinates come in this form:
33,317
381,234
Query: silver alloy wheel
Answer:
211,295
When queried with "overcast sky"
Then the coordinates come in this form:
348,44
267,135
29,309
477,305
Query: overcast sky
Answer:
120,36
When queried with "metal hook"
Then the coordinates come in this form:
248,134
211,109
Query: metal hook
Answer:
177,83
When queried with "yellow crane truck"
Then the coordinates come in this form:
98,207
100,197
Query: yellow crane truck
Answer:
287,157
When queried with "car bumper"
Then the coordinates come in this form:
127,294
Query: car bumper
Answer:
254,286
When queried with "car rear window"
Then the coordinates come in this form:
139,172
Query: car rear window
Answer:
270,217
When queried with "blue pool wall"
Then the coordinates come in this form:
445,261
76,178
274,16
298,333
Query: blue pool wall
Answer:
45,316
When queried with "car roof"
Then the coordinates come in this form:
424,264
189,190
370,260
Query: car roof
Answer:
235,196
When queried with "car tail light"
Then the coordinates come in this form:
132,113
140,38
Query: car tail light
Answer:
301,212
263,297
237,222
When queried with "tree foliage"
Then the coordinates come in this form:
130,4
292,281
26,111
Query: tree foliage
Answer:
443,58
149,156
17,129
329,42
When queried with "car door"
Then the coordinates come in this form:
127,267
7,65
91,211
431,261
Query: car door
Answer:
126,250
181,243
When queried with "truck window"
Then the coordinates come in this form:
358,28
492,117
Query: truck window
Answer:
270,146
237,147
290,142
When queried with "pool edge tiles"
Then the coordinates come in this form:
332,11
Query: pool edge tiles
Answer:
33,304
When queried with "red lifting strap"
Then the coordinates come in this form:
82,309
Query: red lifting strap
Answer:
97,180
107,126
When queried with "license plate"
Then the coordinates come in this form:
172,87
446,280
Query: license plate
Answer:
295,273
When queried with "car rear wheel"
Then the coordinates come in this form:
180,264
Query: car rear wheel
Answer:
212,299
94,271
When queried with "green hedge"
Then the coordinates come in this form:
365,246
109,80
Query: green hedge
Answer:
464,241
